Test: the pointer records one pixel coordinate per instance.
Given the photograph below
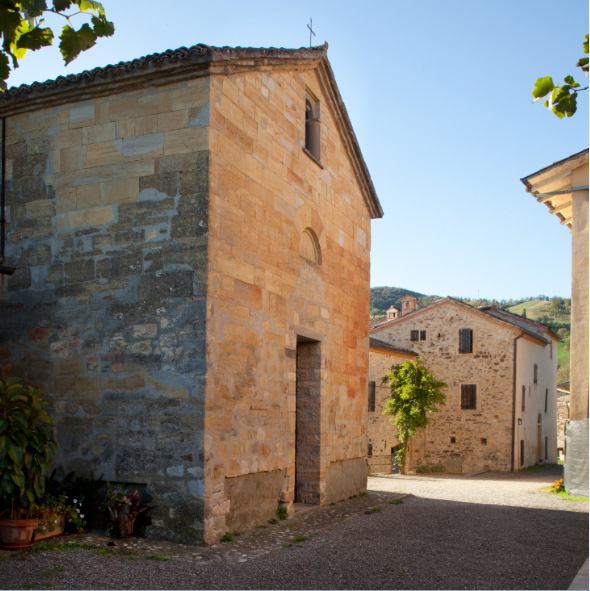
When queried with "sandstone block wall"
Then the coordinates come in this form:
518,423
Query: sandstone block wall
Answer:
107,207
285,231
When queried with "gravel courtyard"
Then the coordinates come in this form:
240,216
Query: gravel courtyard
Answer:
488,531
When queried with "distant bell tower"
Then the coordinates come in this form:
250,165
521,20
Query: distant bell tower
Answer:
408,303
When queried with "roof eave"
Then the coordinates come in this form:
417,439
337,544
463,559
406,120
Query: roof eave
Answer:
350,139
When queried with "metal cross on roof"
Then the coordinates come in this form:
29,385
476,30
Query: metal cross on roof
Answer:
310,30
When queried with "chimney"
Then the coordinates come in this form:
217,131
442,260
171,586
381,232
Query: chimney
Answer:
408,303
392,312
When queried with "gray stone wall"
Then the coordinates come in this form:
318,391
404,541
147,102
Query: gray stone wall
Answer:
106,311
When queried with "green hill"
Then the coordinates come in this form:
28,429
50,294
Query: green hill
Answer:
555,313
384,297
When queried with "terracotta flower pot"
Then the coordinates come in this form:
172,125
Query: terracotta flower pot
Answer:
16,534
55,521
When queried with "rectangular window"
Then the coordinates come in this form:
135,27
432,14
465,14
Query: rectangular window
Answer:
312,128
535,373
468,396
546,398
546,449
370,449
522,452
422,335
414,335
371,396
523,397
465,340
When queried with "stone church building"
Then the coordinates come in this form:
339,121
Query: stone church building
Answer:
501,372
190,233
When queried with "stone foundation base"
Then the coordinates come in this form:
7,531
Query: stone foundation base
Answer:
253,498
345,479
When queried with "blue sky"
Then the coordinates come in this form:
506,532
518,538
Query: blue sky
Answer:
439,95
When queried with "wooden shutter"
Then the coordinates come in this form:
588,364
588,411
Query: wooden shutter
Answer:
371,396
465,340
546,399
468,395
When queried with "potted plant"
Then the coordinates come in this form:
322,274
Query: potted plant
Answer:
123,509
57,513
27,444
76,491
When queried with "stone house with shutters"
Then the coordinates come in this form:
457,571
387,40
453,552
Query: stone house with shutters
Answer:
178,227
501,371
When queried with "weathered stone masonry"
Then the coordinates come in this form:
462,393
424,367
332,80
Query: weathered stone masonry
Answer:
177,252
108,230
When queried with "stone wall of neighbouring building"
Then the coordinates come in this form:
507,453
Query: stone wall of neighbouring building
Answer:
107,208
286,230
563,415
462,440
382,433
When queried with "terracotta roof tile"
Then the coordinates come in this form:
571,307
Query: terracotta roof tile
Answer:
196,53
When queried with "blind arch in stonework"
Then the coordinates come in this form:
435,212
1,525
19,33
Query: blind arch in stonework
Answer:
309,246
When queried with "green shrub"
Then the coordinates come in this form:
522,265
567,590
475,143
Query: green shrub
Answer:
428,469
282,512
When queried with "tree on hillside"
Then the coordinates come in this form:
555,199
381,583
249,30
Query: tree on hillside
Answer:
557,305
415,395
21,28
563,99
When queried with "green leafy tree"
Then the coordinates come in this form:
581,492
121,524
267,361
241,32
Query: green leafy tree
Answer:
415,395
563,99
22,28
